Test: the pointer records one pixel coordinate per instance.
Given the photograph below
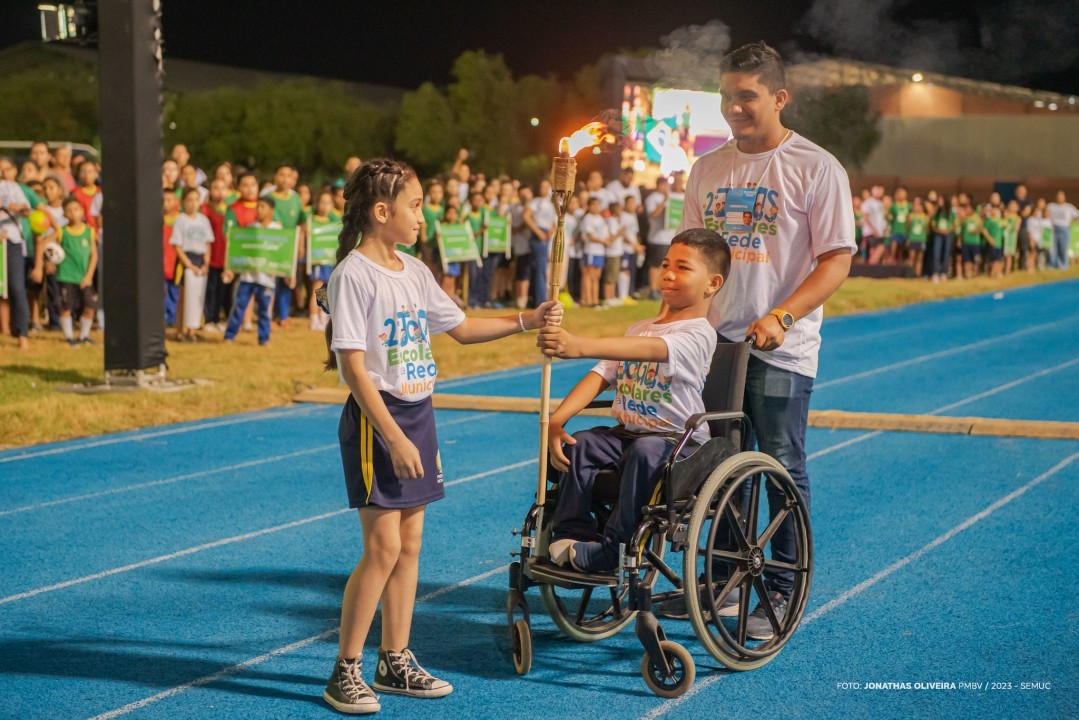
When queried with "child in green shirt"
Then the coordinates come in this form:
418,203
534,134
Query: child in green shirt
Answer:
917,235
75,274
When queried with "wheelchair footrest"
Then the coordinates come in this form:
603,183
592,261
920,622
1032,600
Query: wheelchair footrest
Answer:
543,570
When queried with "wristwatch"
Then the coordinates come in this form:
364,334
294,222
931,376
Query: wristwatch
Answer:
785,318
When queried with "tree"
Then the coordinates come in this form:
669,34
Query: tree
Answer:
427,131
484,99
840,121
314,125
47,97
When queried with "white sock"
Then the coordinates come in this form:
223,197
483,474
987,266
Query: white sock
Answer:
84,327
623,285
101,319
65,325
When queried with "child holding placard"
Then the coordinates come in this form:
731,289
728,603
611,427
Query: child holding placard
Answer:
257,284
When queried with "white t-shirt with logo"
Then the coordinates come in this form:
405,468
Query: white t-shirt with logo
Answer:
192,234
658,397
391,316
633,231
658,234
617,191
543,213
802,209
874,223
1062,214
596,225
615,228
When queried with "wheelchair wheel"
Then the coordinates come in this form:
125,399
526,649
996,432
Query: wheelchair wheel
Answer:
725,540
589,614
522,647
684,671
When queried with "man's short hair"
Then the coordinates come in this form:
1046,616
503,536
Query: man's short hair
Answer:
759,59
710,244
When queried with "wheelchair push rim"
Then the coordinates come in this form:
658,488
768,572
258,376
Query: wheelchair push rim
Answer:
745,564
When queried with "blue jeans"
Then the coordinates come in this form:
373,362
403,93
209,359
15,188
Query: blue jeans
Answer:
777,402
263,300
172,295
539,268
1059,256
16,290
941,257
282,300
639,459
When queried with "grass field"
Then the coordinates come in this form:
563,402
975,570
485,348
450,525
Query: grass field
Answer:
246,377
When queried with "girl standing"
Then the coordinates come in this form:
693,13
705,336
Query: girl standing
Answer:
384,307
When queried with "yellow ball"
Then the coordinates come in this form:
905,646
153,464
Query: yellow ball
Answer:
40,222
566,299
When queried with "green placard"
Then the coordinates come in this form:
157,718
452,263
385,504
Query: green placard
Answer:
3,268
269,250
675,205
496,241
322,242
1074,242
456,243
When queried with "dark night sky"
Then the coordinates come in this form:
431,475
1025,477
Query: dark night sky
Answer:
405,43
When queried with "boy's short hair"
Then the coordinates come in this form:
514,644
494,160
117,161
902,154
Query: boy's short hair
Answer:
71,199
759,59
244,175
593,199
268,200
710,244
188,191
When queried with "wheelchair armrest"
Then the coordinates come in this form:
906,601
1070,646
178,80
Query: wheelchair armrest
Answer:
599,404
694,421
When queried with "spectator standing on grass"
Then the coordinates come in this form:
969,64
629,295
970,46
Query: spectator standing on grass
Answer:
774,294
13,206
898,219
541,218
1012,221
1025,257
256,284
1061,216
192,236
170,208
241,213
971,224
659,236
874,225
917,234
940,256
75,275
215,210
287,210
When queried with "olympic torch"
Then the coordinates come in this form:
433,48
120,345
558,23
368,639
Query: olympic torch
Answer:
563,181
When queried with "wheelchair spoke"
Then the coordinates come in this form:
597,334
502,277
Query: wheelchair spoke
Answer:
736,526
754,508
777,565
773,526
727,555
735,579
766,603
586,595
743,610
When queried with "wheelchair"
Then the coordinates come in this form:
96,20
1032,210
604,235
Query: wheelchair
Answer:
708,510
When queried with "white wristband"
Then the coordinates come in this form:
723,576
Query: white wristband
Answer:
521,320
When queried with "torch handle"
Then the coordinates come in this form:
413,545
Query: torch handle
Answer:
554,288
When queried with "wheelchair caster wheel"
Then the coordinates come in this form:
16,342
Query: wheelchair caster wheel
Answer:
522,647
683,671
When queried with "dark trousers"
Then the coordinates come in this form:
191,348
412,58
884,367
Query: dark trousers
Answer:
216,293
639,459
172,295
16,290
940,259
777,403
282,300
539,268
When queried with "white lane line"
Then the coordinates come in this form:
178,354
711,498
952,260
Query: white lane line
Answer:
167,481
233,669
1007,386
204,473
861,587
225,541
939,354
267,415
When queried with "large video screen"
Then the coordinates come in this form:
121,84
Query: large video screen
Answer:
670,128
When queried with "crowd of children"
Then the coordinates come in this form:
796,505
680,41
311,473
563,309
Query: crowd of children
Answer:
616,232
956,237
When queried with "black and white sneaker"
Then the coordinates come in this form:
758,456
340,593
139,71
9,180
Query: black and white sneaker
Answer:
347,692
398,672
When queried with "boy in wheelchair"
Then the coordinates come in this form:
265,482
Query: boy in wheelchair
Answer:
658,369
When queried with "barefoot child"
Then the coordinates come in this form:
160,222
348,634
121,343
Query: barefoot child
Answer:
658,369
384,308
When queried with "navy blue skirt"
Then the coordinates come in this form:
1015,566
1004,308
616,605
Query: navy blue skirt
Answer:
369,475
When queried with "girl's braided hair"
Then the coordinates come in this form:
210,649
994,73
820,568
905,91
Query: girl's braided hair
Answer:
378,180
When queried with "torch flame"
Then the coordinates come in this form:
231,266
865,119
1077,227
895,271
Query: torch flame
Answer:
591,134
